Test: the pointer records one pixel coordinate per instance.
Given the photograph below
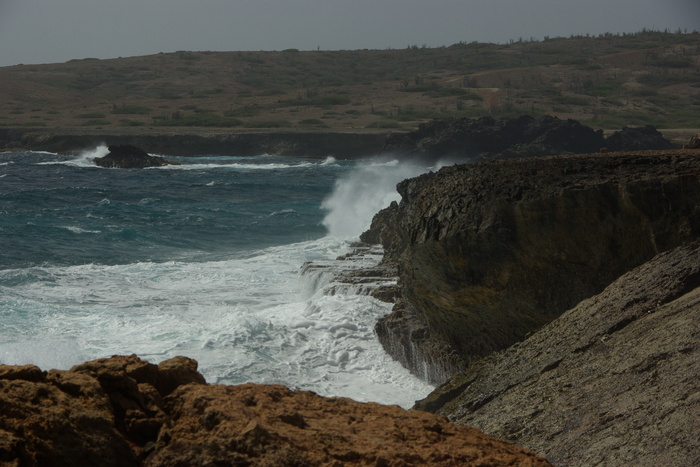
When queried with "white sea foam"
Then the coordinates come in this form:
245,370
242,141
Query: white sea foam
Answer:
79,230
252,319
370,187
330,160
85,159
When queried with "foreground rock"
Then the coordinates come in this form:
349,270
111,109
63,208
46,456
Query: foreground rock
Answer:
124,411
490,252
130,157
488,138
613,381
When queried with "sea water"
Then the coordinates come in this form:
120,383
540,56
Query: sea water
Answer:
200,259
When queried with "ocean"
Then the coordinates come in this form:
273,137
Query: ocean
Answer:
201,259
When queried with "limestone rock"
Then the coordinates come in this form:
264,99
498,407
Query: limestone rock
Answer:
272,425
613,381
123,411
492,251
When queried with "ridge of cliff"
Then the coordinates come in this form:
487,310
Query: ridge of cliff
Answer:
490,252
612,381
123,411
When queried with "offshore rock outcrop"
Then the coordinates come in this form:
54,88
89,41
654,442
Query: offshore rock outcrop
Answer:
130,157
490,252
123,411
488,138
194,142
613,381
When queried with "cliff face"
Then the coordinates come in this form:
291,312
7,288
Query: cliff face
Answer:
613,381
490,252
123,411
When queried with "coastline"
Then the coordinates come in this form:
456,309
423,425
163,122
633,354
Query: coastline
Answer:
192,141
349,144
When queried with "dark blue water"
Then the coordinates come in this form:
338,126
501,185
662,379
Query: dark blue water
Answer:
62,210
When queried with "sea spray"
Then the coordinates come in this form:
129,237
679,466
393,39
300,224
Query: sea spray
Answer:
203,260
361,193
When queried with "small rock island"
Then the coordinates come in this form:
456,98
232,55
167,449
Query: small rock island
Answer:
130,157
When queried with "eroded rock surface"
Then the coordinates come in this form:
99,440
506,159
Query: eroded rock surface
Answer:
490,252
123,411
613,381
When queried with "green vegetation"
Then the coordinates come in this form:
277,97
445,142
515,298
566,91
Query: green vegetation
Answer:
269,124
130,110
92,115
201,119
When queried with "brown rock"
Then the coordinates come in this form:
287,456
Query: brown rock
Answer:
613,381
123,411
41,424
272,425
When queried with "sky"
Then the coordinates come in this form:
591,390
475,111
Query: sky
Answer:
52,31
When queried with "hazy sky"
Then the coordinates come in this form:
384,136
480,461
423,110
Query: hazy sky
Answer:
48,31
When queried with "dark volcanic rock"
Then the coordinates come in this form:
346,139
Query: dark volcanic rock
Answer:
490,252
130,157
122,411
694,142
488,138
613,381
637,139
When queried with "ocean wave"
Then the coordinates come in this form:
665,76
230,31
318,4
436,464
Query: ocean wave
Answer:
360,194
236,166
242,319
78,230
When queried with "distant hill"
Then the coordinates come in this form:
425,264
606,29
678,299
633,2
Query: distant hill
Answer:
607,81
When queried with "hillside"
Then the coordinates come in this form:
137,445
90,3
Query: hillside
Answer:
607,81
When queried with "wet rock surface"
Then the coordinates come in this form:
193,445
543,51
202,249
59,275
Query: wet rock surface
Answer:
124,411
130,157
613,381
492,251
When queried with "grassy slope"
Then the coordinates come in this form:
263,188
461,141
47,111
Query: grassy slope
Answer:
607,82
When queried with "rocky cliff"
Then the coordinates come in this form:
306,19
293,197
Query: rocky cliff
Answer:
123,411
613,381
489,138
490,252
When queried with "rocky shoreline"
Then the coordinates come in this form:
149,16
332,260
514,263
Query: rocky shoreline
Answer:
123,411
490,258
192,142
555,299
490,252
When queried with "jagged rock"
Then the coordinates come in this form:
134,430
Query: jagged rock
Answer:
490,252
272,425
123,411
488,138
694,142
613,381
637,139
130,157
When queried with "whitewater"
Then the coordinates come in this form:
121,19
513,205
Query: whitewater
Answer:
203,260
